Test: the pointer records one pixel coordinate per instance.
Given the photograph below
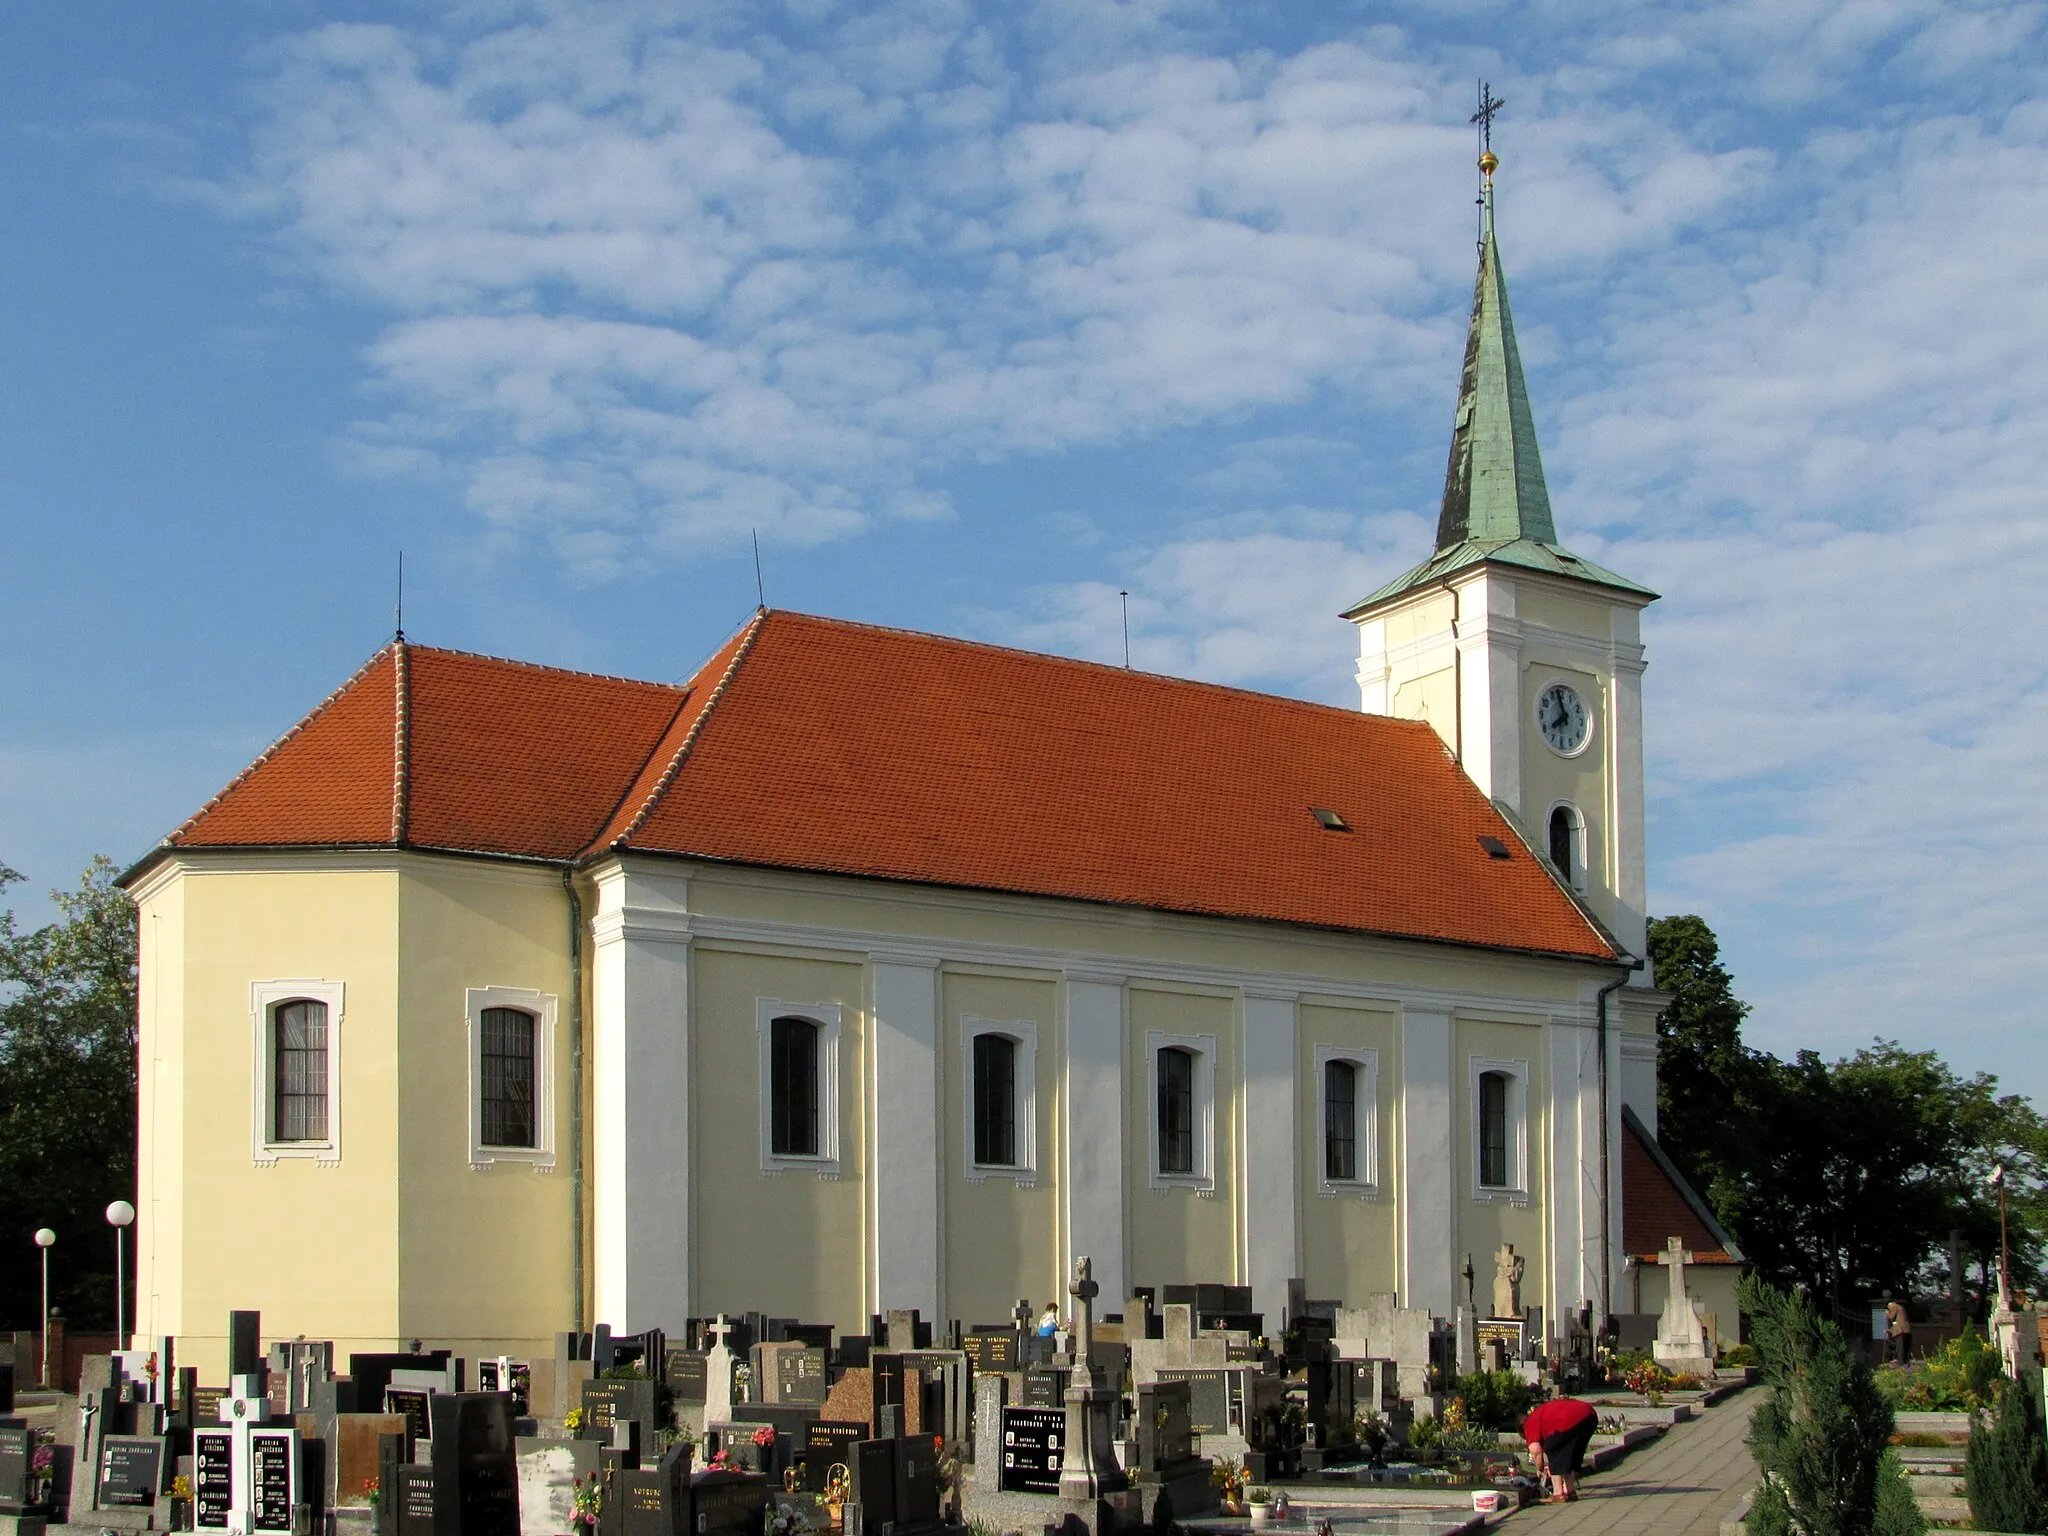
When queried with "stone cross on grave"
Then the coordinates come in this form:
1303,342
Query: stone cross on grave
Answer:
718,1371
1088,1465
1084,1290
1676,1258
720,1331
1507,1281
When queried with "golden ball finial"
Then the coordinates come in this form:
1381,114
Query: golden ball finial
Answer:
1489,163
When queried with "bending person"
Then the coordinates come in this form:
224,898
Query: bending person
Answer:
1558,1433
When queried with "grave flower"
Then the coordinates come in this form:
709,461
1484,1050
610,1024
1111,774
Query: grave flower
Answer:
764,1436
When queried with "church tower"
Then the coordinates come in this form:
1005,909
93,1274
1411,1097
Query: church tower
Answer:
1525,658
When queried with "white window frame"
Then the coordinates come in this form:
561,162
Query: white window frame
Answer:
825,1162
1203,1178
541,1155
1367,1064
1575,877
1023,1033
264,1000
1516,1190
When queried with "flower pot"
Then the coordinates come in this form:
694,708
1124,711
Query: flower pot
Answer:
1487,1501
1262,1516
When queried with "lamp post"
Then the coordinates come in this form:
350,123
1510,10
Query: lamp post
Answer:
44,1239
1997,1182
119,1216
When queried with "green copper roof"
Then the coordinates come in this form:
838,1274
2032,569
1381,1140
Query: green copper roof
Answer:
1496,506
1493,489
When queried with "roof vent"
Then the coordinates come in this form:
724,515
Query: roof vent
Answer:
1330,820
1495,848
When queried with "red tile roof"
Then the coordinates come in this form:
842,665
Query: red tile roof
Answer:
1655,1209
815,744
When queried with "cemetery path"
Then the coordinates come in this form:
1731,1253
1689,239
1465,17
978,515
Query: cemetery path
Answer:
1684,1485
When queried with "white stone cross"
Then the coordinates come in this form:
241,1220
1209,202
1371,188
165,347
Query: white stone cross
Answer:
1675,1258
718,1372
721,1330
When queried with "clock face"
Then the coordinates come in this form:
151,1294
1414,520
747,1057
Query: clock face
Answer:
1564,720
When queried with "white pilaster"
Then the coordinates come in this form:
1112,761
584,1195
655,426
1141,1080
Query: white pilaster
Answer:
1490,677
903,1114
1574,1210
1630,875
640,1090
1092,1180
1272,1157
1427,1183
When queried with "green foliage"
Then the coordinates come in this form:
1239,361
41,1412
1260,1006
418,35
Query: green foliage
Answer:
1496,1400
1819,1438
1738,1355
1960,1377
67,1096
2008,1466
1423,1433
1467,1440
1845,1176
1898,1512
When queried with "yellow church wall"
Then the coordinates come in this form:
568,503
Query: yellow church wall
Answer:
1138,942
1418,621
272,1238
1001,1239
1485,1222
1180,1236
1348,1239
788,1243
1432,697
1539,603
463,925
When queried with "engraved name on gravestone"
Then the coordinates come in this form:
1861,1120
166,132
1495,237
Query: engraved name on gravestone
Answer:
727,1504
800,1375
1032,1448
17,1450
685,1373
213,1478
131,1470
274,1479
1208,1399
829,1443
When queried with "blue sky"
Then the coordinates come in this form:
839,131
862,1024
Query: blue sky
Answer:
980,313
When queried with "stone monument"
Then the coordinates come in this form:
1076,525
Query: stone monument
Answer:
1089,1467
1507,1281
1681,1337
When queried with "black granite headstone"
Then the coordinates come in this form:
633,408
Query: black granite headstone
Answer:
1208,1399
727,1504
829,1442
917,1485
273,1478
131,1470
476,1470
685,1374
17,1453
874,1482
415,1403
414,1501
800,1376
213,1484
1032,1439
991,1349
245,1343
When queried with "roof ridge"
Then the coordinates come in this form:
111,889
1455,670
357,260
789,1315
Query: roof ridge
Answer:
541,666
753,629
170,839
401,741
1099,666
1694,1201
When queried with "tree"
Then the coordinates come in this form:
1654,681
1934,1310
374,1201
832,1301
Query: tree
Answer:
2008,1466
67,1095
1704,1072
1821,1437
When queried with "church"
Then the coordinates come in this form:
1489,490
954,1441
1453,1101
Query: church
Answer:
873,969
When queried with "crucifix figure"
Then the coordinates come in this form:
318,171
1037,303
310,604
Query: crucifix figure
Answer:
1508,1268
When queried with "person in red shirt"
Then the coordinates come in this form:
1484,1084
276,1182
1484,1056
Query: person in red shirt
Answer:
1558,1433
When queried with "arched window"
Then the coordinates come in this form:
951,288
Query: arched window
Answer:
793,1088
1176,1110
299,1060
1340,1120
1493,1129
1564,844
507,1063
995,1101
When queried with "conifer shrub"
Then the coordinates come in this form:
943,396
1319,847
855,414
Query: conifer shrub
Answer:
1820,1436
2007,1467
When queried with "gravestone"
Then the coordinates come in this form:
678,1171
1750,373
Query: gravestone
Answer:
414,1502
411,1404
852,1399
1167,1469
606,1403
548,1470
873,1483
829,1443
991,1397
476,1473
918,1493
991,1349
656,1501
685,1374
17,1452
131,1471
213,1455
727,1504
1032,1446
358,1438
719,1365
274,1493
1208,1405
799,1374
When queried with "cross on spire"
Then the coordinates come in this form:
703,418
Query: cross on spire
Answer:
1489,105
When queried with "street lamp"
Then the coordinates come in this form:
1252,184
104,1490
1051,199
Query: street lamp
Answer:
1997,1182
44,1238
119,1215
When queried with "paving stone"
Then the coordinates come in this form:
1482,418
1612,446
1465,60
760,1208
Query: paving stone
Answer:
1682,1486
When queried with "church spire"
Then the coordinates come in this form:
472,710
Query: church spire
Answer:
1493,488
